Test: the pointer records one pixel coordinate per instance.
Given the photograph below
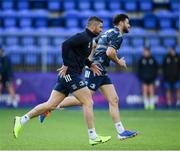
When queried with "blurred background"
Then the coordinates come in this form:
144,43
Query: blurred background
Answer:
31,33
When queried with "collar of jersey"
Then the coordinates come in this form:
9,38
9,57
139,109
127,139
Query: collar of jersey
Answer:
90,33
118,30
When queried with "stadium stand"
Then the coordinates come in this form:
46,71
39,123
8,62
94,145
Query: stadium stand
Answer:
46,23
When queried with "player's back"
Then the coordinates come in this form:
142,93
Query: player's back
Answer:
110,38
76,49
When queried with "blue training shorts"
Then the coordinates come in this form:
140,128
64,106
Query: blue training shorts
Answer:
95,82
69,83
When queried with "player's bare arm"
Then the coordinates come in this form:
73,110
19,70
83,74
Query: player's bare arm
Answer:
112,54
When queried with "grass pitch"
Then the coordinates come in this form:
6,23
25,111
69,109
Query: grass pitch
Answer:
66,130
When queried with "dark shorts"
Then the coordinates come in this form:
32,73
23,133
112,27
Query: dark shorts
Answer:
5,82
170,85
69,84
95,82
148,82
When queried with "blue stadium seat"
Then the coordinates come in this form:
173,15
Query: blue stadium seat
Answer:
57,30
54,49
25,22
32,49
150,21
57,41
38,4
25,19
146,5
31,55
50,58
169,37
174,5
12,30
7,4
1,21
28,31
153,41
43,41
23,5
40,18
73,31
9,22
126,41
176,20
72,19
84,16
51,55
126,50
1,39
7,49
127,53
15,53
137,30
31,58
54,55
59,58
165,19
54,5
158,52
136,21
10,18
56,21
15,58
117,12
106,17
178,50
115,5
131,5
64,32
12,40
138,51
69,5
138,41
28,40
99,5
137,35
84,5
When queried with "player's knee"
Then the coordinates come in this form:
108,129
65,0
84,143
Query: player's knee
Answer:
88,103
114,100
50,106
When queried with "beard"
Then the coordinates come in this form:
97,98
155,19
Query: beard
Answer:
125,30
97,33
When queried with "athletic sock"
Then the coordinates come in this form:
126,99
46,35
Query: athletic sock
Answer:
58,107
24,119
146,103
119,127
152,100
92,133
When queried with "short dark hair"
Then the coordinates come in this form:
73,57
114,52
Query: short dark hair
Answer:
93,18
147,48
1,47
119,17
172,47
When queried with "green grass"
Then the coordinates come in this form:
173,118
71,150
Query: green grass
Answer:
66,130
